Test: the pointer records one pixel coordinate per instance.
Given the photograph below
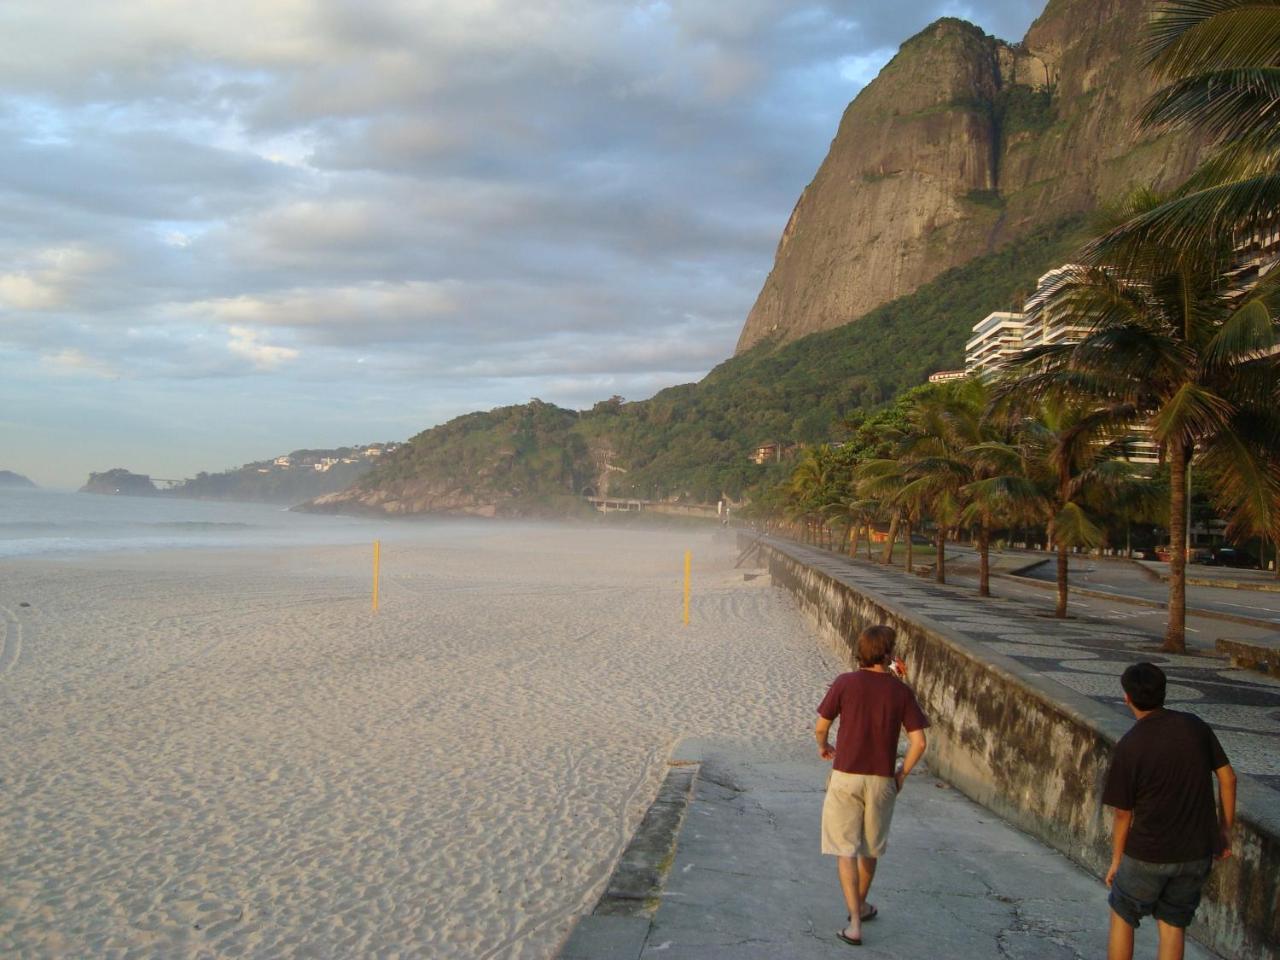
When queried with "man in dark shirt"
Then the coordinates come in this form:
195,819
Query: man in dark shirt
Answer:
1167,832
873,706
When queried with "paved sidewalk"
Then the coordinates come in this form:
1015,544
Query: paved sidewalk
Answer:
748,881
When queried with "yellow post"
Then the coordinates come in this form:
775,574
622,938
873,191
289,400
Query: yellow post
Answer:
688,561
377,563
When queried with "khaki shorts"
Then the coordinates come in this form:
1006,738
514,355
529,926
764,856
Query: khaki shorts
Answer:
856,814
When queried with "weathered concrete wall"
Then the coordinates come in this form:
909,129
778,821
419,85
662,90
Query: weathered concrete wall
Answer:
1035,752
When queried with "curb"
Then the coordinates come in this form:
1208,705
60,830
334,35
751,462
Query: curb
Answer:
618,926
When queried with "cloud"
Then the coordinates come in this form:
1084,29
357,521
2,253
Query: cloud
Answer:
479,200
52,278
244,343
71,361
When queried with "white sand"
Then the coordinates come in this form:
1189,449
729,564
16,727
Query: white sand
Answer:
225,754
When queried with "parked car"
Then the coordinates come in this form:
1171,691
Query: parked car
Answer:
1231,557
1194,554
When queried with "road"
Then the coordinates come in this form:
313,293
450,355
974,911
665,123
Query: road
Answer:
1128,580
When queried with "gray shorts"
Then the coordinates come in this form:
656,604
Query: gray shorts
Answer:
1166,891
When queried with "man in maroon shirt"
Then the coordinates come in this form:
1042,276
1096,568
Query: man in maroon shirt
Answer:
1167,831
873,706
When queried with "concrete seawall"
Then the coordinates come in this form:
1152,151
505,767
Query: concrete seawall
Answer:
1034,751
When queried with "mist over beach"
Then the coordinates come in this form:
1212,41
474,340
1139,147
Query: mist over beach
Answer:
224,752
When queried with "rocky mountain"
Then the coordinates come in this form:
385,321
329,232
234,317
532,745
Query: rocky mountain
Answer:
120,482
963,144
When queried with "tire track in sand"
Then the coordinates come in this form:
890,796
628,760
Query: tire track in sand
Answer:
12,646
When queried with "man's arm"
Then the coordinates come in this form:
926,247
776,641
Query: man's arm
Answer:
1227,791
1120,824
915,750
820,733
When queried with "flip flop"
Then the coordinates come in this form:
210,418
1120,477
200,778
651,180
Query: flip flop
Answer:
851,941
875,912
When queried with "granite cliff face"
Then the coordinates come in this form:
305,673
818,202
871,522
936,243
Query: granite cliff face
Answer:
962,144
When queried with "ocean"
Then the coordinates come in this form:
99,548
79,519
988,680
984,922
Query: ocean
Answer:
55,523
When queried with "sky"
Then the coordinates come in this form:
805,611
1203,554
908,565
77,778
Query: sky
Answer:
233,229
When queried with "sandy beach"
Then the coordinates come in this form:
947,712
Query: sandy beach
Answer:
226,754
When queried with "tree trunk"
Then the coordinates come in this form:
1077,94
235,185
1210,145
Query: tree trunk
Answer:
984,561
887,556
869,557
1175,637
940,568
1060,611
853,546
909,569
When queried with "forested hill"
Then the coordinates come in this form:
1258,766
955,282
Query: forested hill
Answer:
693,441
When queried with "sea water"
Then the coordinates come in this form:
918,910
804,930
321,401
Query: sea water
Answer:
45,522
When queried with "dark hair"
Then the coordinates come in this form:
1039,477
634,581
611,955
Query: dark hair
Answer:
875,645
1144,683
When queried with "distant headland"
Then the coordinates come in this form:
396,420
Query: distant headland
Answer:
10,479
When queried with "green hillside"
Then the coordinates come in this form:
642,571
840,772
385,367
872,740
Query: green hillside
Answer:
693,440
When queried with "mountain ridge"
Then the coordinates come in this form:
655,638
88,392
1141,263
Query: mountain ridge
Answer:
962,144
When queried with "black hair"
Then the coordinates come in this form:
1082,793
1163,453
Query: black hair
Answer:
1144,683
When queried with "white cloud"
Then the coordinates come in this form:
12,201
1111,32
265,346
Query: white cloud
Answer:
244,343
52,278
72,361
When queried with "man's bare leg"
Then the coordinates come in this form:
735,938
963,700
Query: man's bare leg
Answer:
1173,941
849,884
866,873
1120,941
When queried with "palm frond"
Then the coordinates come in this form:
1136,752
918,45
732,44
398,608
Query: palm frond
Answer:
1234,104
1073,527
1218,213
1192,413
1194,35
1245,465
1249,332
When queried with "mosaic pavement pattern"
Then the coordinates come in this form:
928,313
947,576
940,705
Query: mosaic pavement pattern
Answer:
1088,656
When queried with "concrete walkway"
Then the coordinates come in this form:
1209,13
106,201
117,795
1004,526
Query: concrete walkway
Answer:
748,882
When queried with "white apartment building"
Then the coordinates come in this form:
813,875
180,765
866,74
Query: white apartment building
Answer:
1000,336
996,339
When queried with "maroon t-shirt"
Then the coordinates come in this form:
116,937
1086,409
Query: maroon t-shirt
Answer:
872,707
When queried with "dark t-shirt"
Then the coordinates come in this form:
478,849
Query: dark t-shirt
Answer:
1162,770
872,708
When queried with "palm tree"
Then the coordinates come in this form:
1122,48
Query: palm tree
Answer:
1003,492
1171,339
1221,59
928,472
857,513
814,485
1070,449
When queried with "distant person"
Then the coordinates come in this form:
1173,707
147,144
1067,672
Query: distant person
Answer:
1167,831
873,706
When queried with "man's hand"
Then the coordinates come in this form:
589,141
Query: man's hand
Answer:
826,751
1224,844
1111,872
